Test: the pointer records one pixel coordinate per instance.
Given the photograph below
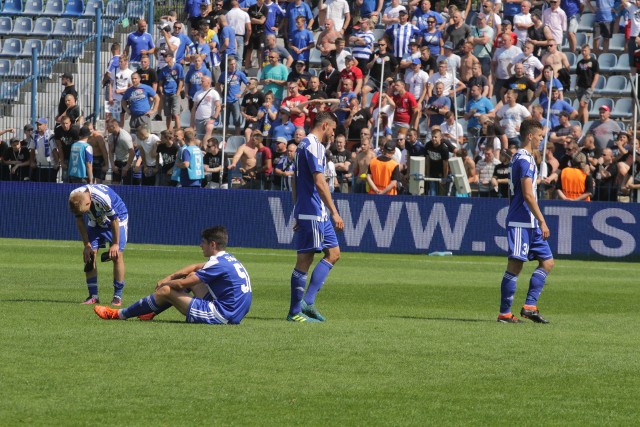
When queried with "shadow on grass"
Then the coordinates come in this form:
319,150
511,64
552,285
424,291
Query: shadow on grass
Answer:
446,319
41,300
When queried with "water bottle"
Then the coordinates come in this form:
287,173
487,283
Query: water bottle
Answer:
441,253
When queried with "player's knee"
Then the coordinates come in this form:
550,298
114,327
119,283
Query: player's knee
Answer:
547,264
333,257
163,291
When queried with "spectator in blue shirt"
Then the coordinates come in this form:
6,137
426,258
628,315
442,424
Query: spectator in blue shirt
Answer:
477,106
194,10
234,79
295,9
193,79
185,42
301,41
140,42
171,79
227,36
141,102
274,16
283,127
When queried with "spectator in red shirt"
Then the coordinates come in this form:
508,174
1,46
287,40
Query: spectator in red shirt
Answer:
353,73
298,114
406,114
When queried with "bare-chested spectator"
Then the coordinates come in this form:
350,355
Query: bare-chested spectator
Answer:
467,61
247,155
327,38
100,153
559,62
363,158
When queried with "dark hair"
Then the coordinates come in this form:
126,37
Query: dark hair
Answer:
217,234
325,116
528,126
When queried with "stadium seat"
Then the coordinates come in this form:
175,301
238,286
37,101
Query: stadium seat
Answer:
9,92
74,48
5,67
91,6
602,82
378,33
587,126
6,25
108,28
607,62
74,8
233,143
33,8
11,48
52,49
571,57
29,46
617,43
594,111
582,38
63,28
45,69
54,8
315,58
12,7
84,28
623,109
114,9
587,23
21,68
575,122
461,103
576,103
616,85
135,10
22,26
43,27
572,86
622,66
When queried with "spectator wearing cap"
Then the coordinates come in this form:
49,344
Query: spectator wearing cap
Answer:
482,40
401,35
422,14
301,41
336,10
414,52
66,80
351,72
458,32
604,129
270,45
453,60
555,18
558,105
384,172
329,78
361,43
15,162
81,161
300,75
279,150
574,182
44,153
282,126
139,42
417,82
506,28
522,22
539,34
274,77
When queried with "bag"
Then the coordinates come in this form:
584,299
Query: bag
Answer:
565,78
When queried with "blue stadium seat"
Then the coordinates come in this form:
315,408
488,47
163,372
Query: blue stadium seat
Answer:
582,38
573,79
617,43
587,23
108,28
63,28
33,8
54,8
114,9
622,66
616,85
602,82
6,25
43,27
233,143
315,58
74,48
91,6
594,111
84,28
12,7
5,67
571,57
45,69
74,8
23,26
461,103
29,46
11,48
623,109
52,49
21,68
9,92
607,62
135,10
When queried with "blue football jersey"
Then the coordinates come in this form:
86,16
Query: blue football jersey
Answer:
229,286
106,205
310,159
522,166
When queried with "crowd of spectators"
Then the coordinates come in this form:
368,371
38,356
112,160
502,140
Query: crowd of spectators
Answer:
432,79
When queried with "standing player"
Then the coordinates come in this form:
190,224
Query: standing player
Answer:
314,231
221,286
527,231
108,221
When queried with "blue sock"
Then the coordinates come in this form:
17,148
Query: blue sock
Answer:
318,278
92,285
145,305
117,288
536,284
507,291
298,283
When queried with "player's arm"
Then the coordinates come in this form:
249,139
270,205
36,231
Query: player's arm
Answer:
82,229
325,195
115,243
530,199
180,274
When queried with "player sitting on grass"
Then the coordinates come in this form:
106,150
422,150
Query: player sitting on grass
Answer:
221,286
527,231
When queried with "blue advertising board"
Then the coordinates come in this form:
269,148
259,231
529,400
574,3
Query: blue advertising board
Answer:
262,219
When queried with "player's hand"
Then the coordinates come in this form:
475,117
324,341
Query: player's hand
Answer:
113,252
86,253
545,230
338,224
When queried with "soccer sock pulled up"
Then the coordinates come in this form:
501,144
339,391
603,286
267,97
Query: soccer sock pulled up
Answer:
92,286
145,305
507,291
298,283
318,278
538,279
117,288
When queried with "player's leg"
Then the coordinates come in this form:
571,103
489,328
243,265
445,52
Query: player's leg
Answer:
91,270
154,304
518,252
540,249
307,243
119,268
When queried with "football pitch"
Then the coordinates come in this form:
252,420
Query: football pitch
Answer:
410,340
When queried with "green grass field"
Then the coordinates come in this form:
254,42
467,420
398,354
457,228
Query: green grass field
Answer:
410,340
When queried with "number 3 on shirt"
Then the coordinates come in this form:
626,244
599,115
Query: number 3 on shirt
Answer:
242,273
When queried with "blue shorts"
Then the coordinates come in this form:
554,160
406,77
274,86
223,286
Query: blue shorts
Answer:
314,236
527,244
98,236
203,311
